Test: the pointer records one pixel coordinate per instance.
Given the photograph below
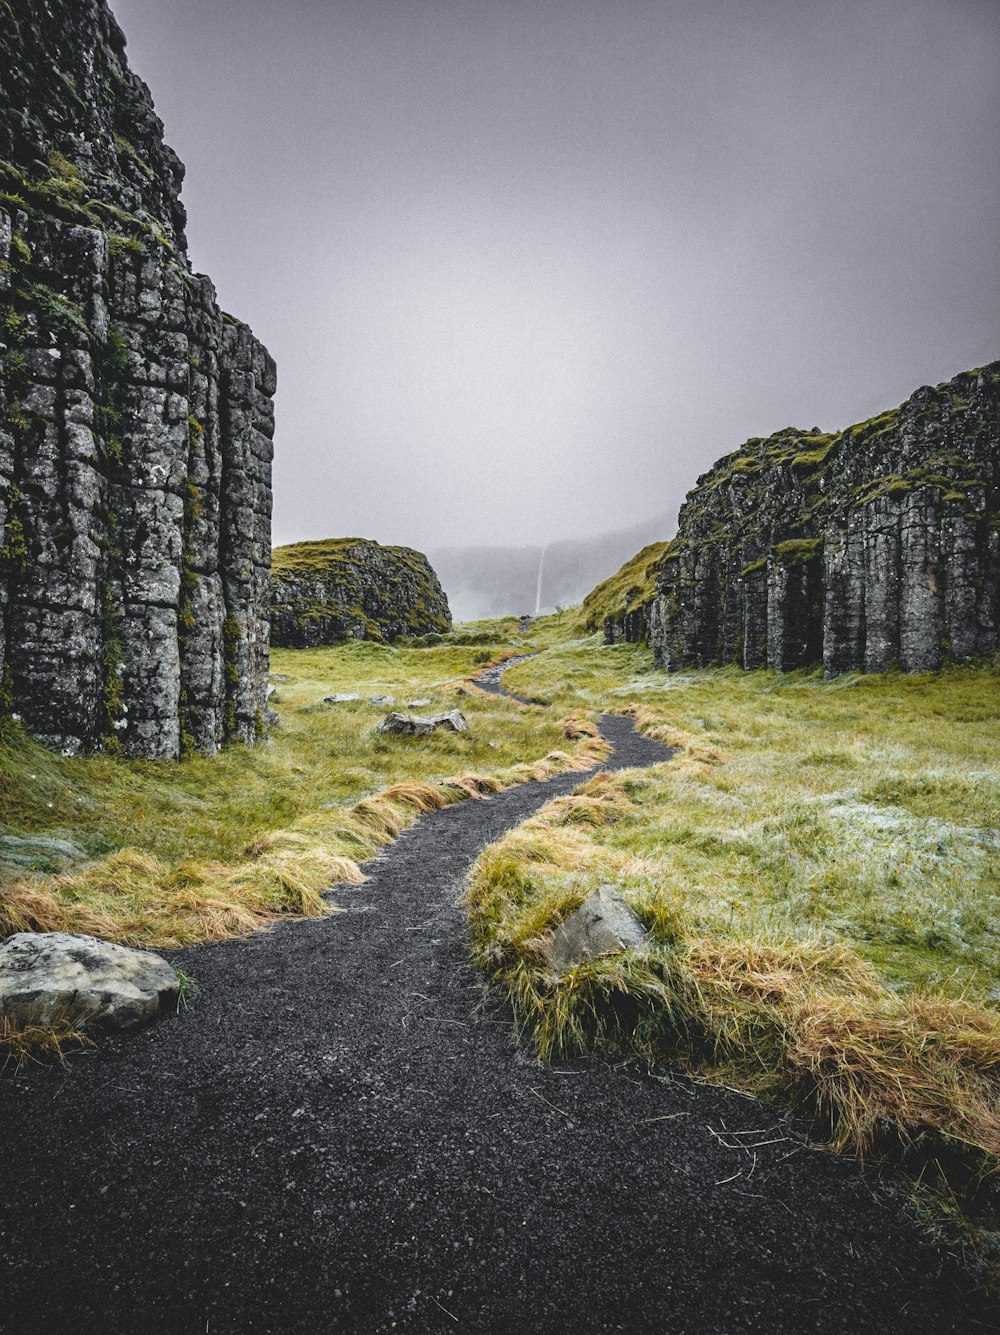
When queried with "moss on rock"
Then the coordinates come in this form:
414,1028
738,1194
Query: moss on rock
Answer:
352,588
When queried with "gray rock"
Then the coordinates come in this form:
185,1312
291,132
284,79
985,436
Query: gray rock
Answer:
417,704
136,472
45,976
405,725
339,699
387,700
414,726
273,718
602,925
40,853
353,589
454,720
280,676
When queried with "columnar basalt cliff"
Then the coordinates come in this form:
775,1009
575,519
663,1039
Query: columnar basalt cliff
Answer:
353,588
135,418
873,547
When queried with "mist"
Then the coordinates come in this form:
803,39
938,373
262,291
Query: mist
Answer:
528,269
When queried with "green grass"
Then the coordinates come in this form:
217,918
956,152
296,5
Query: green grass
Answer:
322,555
632,586
861,810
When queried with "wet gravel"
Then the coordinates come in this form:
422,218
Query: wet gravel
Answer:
343,1134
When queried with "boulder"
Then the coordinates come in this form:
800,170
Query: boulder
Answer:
454,720
602,925
339,699
48,975
413,726
387,700
417,704
856,549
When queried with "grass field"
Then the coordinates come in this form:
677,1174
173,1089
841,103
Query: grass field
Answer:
863,809
818,866
171,854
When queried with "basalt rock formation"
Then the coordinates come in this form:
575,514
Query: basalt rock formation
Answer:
353,588
135,418
873,547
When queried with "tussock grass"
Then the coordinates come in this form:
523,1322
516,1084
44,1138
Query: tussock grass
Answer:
577,725
812,1023
864,810
138,899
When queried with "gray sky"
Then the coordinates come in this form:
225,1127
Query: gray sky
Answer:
529,266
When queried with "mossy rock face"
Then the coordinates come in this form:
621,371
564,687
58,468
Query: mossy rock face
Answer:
858,549
134,520
353,588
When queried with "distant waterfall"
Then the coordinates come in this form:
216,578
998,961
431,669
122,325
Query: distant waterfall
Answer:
538,591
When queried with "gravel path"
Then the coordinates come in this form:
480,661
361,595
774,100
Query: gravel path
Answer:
491,680
343,1135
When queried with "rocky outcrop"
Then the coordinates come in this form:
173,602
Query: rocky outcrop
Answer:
50,976
135,419
352,588
412,725
873,547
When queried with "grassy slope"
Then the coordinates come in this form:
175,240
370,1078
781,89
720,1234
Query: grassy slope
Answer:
196,850
630,587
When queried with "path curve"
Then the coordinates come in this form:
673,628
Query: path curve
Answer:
343,1135
491,679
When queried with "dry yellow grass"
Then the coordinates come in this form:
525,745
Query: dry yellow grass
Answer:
52,1042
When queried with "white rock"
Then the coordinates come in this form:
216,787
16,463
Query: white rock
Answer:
47,975
339,699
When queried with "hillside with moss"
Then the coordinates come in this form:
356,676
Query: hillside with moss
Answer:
863,549
352,588
618,605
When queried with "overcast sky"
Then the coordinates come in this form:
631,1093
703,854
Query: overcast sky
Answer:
529,266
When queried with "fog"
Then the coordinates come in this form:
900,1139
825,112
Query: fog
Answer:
528,268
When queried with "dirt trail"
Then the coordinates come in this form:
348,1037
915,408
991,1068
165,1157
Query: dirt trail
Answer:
344,1135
